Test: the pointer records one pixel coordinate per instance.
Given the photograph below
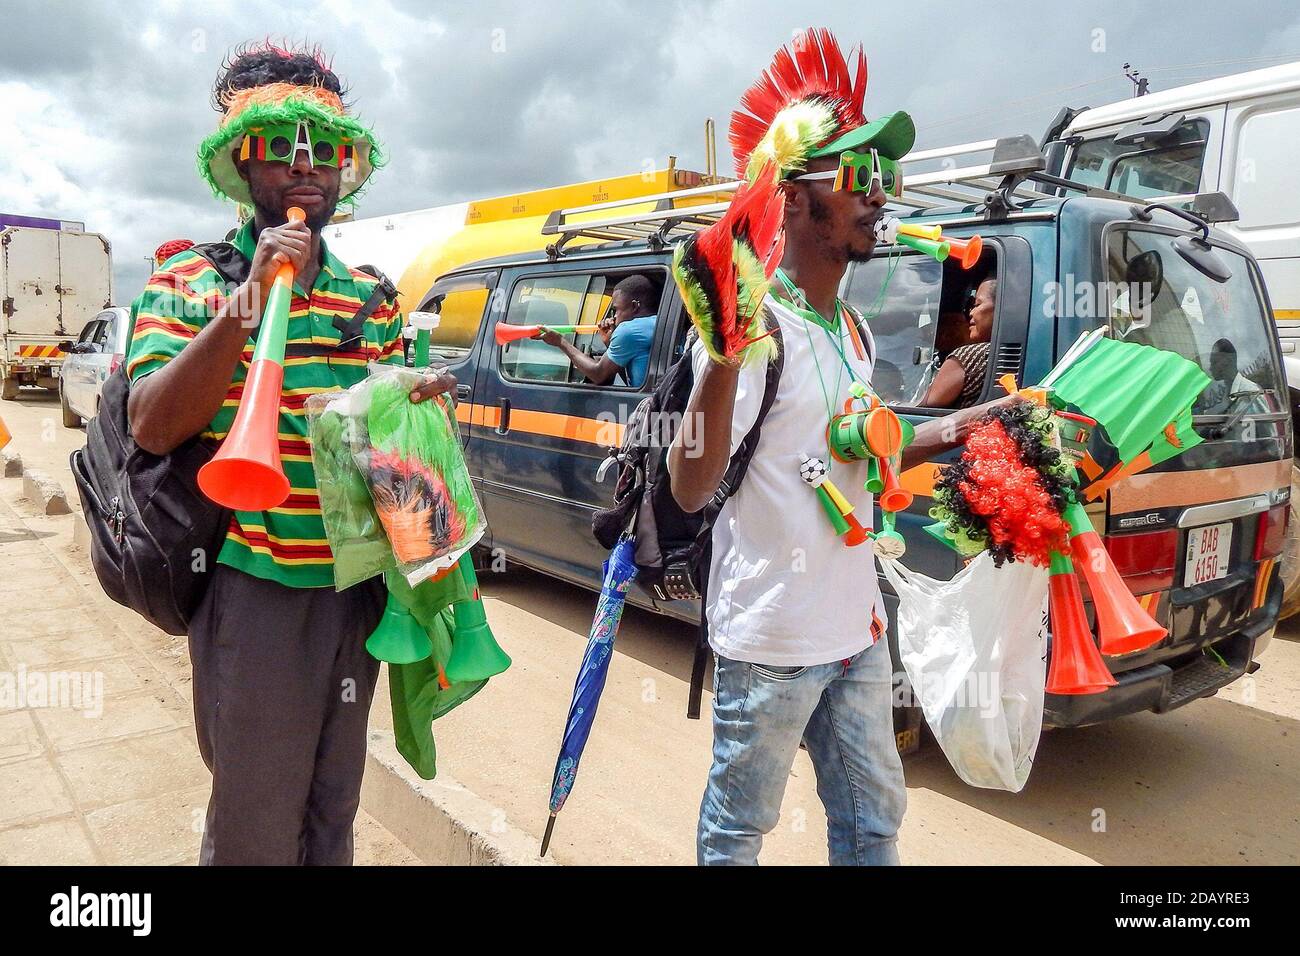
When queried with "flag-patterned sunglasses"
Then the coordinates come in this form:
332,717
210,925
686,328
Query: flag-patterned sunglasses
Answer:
283,141
859,172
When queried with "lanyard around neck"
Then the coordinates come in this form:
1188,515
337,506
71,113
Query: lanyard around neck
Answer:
799,304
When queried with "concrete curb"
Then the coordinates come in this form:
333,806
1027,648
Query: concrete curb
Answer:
439,820
12,463
46,492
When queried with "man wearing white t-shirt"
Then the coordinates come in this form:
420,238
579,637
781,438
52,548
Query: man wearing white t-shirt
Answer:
794,616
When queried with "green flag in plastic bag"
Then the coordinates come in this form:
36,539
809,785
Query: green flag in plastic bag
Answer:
416,691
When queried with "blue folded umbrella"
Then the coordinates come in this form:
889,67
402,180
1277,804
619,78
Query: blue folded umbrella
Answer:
620,569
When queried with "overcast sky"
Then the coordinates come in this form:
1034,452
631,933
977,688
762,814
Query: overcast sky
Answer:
103,104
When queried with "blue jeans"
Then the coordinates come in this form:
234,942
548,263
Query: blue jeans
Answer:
843,713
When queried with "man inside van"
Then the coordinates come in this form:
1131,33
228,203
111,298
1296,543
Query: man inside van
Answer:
795,617
633,307
282,681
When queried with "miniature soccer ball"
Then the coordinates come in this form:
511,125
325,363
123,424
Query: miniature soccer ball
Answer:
813,470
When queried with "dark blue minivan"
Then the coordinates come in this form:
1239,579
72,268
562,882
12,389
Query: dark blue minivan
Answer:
536,433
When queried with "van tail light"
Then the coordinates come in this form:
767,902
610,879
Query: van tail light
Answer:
115,362
1270,537
1145,561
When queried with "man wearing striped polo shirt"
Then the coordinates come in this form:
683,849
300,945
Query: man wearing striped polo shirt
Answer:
282,680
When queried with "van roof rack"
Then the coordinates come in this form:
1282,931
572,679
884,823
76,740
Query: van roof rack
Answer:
628,219
1013,174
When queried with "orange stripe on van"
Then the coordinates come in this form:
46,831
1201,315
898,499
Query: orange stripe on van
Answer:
591,431
1178,489
1163,490
1262,576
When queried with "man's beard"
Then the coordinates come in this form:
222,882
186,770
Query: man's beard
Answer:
820,215
269,211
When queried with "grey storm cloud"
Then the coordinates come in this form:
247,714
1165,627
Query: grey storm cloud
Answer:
482,99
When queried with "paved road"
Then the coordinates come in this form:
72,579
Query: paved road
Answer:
1213,782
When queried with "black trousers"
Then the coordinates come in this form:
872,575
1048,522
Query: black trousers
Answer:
282,692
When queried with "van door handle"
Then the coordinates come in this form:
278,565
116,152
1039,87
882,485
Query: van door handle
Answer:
462,392
503,426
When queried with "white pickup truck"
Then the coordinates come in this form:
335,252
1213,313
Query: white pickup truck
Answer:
52,282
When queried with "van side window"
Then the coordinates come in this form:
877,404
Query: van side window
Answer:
904,328
543,300
460,302
583,300
1267,150
1171,166
929,354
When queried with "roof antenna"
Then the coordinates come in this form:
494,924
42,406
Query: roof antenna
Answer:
710,153
1140,82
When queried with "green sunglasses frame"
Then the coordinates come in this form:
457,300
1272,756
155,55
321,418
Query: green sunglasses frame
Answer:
289,132
854,164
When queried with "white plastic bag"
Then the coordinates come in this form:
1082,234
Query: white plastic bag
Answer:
974,650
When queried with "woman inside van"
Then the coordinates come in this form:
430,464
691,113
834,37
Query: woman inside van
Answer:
960,379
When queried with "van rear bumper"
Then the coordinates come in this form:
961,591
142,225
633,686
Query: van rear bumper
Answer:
1162,687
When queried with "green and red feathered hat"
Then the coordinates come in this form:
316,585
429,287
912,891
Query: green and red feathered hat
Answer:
807,103
246,111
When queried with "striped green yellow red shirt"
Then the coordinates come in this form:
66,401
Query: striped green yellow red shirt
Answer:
285,544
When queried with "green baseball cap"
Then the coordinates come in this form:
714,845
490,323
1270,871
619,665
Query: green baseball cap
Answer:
892,135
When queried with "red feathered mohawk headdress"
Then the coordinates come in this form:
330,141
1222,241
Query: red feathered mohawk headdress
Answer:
808,96
805,99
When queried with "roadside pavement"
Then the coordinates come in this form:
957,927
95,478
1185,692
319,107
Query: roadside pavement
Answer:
98,760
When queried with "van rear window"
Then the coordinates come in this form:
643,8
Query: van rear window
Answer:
1158,298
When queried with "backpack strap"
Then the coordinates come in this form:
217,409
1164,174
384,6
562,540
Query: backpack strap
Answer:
703,652
385,291
739,464
231,264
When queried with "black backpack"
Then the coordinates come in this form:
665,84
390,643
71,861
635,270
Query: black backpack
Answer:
672,547
154,537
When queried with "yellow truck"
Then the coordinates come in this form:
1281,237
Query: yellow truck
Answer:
418,247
